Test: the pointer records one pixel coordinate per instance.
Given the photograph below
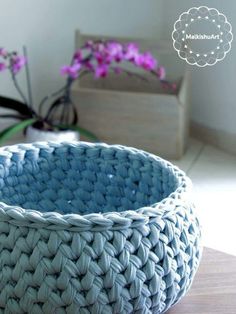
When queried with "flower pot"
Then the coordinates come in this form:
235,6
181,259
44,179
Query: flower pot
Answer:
34,135
93,228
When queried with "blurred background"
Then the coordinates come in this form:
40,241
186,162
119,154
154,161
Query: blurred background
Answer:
48,28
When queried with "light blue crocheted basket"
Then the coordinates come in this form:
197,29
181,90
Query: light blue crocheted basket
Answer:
93,228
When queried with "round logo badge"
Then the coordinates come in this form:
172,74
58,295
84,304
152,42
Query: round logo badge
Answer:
202,36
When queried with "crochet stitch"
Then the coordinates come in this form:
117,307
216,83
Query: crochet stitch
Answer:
93,228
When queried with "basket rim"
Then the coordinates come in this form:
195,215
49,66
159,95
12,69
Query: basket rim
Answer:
32,218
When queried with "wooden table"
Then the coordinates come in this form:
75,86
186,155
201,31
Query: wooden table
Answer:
214,287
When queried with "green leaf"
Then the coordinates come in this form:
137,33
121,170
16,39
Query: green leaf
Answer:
81,130
15,128
13,116
16,105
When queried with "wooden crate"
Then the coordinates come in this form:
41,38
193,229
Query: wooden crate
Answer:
128,111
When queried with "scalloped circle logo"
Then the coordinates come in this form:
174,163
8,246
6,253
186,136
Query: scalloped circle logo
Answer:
202,36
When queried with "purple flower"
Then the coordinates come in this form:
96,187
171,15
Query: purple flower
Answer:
3,52
99,57
102,57
115,51
131,52
161,73
71,70
100,47
78,55
17,63
2,66
89,44
146,61
88,65
101,70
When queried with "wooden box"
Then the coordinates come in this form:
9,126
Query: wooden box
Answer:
126,110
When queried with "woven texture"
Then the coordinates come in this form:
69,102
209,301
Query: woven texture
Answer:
93,228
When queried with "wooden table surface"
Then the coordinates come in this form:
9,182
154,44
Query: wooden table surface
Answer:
214,287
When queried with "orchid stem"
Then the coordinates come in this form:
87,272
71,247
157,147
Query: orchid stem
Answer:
28,80
50,96
18,88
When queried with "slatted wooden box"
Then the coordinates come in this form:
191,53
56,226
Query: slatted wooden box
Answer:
126,110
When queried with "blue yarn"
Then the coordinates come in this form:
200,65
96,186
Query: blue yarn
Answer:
93,228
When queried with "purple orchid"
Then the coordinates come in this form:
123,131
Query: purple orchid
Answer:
88,66
100,57
17,63
2,66
101,70
78,55
131,52
3,52
103,54
161,73
72,70
146,61
115,51
89,44
95,57
12,61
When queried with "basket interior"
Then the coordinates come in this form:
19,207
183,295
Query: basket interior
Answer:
79,180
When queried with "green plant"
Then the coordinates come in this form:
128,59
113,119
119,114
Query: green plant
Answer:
24,111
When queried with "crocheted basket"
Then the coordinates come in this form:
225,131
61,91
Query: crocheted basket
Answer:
93,228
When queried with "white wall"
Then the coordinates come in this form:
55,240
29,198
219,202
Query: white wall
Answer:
214,88
47,28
